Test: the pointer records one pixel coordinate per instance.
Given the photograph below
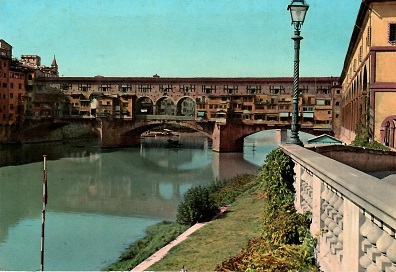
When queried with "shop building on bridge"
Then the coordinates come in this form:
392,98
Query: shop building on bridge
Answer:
249,100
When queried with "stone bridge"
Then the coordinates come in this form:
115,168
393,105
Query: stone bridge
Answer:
226,135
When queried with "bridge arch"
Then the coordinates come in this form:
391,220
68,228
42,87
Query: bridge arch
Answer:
165,106
185,106
144,106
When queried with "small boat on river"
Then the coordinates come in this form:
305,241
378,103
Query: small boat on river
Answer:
174,143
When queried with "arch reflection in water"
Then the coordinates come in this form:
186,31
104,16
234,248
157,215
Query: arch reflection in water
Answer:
97,194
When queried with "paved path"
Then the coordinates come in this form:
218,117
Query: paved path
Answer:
163,251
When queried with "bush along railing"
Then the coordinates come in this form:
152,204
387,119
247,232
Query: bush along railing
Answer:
285,242
353,213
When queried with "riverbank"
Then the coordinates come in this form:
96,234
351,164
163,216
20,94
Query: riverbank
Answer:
261,230
223,237
242,190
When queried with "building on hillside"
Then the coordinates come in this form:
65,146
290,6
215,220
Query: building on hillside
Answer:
368,77
16,82
12,86
250,100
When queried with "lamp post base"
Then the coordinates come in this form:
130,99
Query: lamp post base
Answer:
295,140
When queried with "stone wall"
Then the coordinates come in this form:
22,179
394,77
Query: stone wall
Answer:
363,159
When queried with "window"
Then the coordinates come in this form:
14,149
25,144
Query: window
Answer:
84,87
104,88
187,88
308,108
11,95
368,38
208,89
392,33
11,85
323,90
277,89
125,88
253,89
11,106
165,89
360,53
230,89
20,86
303,89
144,88
66,86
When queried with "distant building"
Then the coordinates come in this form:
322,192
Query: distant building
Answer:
368,77
12,86
16,83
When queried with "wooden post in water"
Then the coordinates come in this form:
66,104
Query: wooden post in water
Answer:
45,197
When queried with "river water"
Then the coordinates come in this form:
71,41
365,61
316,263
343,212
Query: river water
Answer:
101,200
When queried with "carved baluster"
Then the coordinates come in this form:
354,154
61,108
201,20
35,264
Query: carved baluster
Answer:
383,243
373,236
365,261
391,255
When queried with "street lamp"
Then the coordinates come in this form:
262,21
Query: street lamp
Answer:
298,10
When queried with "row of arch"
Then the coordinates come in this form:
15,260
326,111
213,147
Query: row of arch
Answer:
185,106
355,102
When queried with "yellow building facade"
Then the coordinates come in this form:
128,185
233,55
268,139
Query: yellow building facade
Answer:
368,78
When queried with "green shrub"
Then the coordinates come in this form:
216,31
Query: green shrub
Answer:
226,191
276,177
196,207
285,243
373,144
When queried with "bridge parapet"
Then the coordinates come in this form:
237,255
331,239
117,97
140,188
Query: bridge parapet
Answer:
353,213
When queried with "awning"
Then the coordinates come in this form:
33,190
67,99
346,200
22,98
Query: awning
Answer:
308,114
283,114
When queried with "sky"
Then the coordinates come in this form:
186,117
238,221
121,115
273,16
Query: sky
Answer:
179,38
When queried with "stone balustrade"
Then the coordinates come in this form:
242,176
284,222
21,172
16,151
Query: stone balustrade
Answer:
353,213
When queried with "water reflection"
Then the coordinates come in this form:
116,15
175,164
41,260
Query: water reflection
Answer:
101,199
89,189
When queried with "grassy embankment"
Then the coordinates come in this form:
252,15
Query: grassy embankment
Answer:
220,239
217,241
281,239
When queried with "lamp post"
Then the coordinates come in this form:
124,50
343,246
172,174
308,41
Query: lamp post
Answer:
298,10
